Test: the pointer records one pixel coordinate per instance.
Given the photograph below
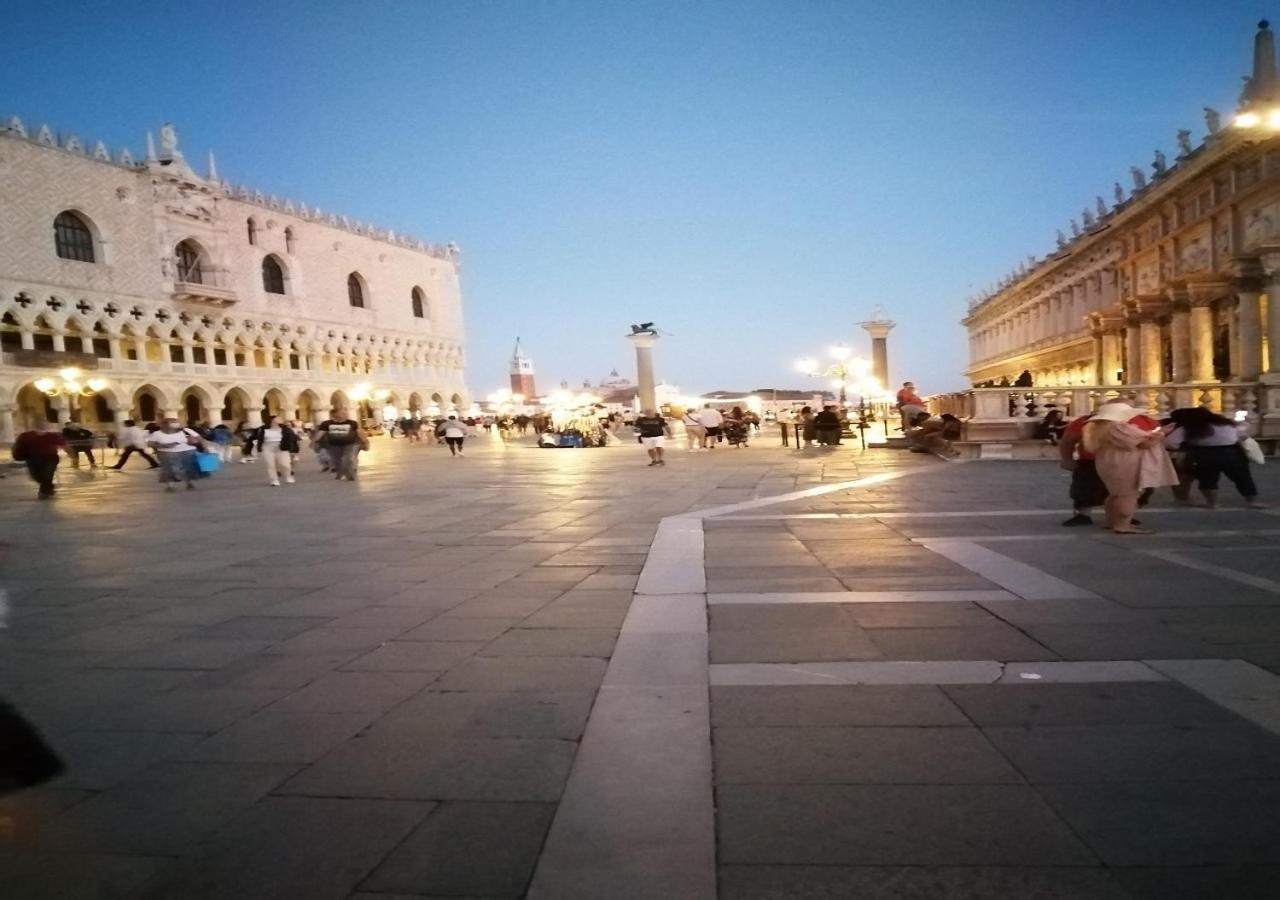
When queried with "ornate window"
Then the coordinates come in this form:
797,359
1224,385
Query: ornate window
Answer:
355,291
72,237
419,304
253,231
272,276
189,267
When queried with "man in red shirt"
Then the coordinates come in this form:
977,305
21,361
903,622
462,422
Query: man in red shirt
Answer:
909,405
39,448
1087,489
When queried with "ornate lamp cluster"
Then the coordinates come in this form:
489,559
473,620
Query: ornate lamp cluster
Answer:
70,383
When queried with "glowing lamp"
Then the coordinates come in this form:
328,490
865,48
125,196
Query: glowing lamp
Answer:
1248,120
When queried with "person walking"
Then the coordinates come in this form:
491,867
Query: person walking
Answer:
454,433
221,437
1214,445
38,448
713,425
694,432
786,419
1129,460
276,443
653,430
808,428
132,439
343,438
79,440
177,451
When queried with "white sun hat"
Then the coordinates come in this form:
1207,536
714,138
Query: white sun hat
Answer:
1115,412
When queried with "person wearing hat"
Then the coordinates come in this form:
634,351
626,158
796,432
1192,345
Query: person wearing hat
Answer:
1129,460
1087,490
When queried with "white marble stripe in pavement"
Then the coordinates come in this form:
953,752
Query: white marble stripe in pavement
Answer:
990,513
1026,581
862,597
979,671
637,818
1181,559
1245,689
820,490
675,564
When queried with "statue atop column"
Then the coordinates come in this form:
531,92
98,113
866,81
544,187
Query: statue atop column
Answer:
1118,193
1139,178
1101,206
1159,164
1212,120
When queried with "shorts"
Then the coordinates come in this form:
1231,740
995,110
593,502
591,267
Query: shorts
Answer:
652,443
713,431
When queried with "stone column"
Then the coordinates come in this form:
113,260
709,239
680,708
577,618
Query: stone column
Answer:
1152,362
1133,353
1180,334
253,417
1249,335
188,354
1111,361
644,368
6,425
117,350
86,344
59,342
28,339
1099,359
879,331
1202,342
1271,261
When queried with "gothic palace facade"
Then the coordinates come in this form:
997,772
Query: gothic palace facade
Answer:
141,289
1176,283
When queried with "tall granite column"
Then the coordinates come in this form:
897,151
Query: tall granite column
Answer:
879,330
643,343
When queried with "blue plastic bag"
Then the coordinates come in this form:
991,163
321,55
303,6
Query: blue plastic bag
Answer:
207,463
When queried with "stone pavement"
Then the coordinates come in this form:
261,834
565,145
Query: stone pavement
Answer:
562,674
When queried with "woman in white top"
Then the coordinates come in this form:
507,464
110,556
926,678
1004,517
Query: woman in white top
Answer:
1213,442
176,448
276,443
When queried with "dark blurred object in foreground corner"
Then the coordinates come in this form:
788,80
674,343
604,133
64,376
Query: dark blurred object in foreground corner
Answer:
25,759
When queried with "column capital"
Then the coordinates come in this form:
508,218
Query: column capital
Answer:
1205,293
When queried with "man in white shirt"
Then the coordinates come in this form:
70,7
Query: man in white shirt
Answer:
132,439
712,421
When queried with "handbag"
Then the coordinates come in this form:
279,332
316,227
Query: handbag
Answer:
207,463
1252,451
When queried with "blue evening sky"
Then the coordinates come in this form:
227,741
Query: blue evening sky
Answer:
752,176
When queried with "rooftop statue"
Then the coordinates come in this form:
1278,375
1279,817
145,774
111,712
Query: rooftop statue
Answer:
1088,219
1100,205
1184,142
1062,239
1212,119
1139,179
1159,163
1118,193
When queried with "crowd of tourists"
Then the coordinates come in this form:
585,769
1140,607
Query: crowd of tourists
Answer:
183,454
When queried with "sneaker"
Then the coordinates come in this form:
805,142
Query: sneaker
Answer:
1077,520
273,484
290,480
653,463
